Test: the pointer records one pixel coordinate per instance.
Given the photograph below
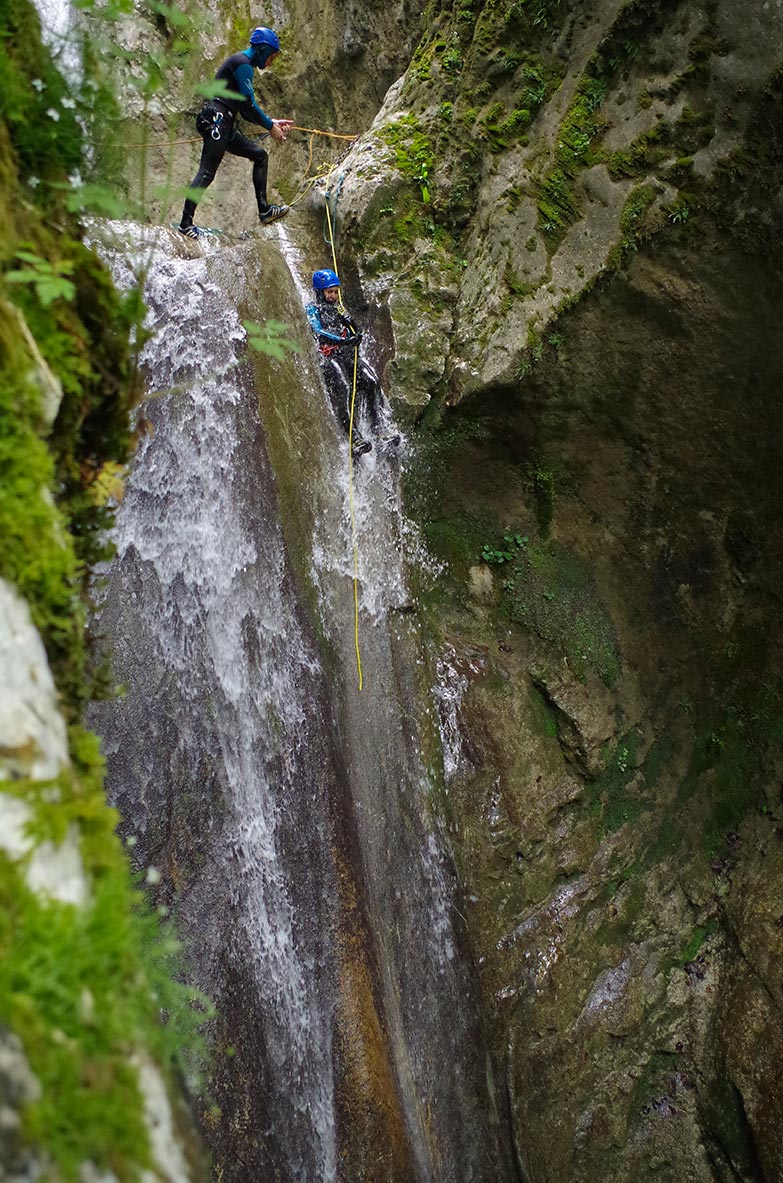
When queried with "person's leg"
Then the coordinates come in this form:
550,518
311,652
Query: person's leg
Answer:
241,146
212,153
339,392
368,393
339,384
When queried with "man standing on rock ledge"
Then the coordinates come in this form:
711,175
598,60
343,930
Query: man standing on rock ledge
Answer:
215,124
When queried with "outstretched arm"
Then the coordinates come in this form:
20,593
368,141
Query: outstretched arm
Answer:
250,109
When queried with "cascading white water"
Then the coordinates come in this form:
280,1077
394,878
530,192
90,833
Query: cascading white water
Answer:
249,772
59,30
205,630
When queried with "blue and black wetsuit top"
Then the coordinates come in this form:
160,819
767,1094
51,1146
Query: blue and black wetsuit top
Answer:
237,73
332,328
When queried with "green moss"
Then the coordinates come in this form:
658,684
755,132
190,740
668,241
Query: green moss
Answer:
692,947
38,555
53,529
729,1126
456,539
558,206
437,443
518,287
643,155
50,523
543,484
413,152
608,795
502,132
637,204
550,592
693,130
83,986
542,715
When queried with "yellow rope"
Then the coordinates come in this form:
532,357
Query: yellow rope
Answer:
350,473
308,182
314,130
334,256
353,525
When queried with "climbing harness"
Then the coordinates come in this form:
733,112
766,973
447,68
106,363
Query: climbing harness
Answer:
217,120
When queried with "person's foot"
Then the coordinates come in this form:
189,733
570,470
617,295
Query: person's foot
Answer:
189,231
272,214
360,447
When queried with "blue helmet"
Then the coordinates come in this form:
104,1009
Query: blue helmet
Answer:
325,279
265,37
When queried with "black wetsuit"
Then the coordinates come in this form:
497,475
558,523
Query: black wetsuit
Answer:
215,124
337,344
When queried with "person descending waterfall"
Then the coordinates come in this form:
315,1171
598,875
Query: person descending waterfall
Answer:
338,341
215,125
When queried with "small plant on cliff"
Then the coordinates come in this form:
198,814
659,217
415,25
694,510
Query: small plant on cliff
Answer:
506,551
413,151
48,279
270,338
679,214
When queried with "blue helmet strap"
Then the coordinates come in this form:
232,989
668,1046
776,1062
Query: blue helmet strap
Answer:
259,55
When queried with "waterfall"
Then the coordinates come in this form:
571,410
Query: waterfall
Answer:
59,32
220,672
291,820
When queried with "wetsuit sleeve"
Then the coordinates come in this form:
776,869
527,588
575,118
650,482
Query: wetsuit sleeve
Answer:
250,109
314,316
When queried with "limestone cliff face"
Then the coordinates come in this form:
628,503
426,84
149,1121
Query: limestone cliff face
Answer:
566,222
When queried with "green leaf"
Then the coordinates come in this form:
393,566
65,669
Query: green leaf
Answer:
21,277
270,338
29,257
49,290
217,88
174,16
100,200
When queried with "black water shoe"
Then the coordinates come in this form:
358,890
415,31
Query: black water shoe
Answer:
360,446
189,231
272,214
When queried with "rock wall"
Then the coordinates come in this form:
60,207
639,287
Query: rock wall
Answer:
567,222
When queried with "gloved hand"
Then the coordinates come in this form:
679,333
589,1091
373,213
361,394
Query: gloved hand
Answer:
356,339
